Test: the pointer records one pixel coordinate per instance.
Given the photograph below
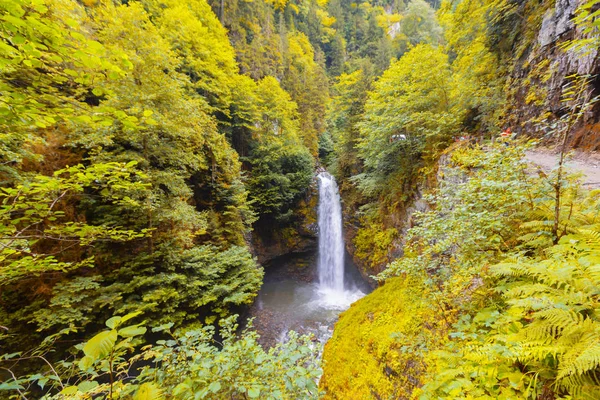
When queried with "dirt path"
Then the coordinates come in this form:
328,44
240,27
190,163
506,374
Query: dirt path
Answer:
586,163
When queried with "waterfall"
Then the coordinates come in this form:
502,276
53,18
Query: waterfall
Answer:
331,240
294,297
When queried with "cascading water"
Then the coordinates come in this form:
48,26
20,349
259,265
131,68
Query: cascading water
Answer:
306,292
331,241
331,247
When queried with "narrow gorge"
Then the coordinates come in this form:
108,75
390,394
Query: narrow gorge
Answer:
305,291
299,199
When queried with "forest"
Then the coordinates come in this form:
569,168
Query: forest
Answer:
159,157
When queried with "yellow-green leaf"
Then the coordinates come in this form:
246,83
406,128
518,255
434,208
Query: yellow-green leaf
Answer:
149,391
133,330
100,345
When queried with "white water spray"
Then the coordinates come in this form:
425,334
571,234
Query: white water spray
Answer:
331,246
331,240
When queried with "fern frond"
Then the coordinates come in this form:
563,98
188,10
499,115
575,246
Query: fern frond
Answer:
537,225
586,361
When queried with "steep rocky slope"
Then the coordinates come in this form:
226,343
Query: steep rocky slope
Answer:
543,66
270,241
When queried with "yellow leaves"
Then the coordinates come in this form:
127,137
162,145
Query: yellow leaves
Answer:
375,348
325,18
100,345
546,321
301,50
373,244
277,105
412,99
386,21
42,41
345,82
281,4
476,68
554,297
420,80
295,8
149,391
196,35
305,80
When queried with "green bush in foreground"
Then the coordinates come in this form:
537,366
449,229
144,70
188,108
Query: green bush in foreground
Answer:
187,365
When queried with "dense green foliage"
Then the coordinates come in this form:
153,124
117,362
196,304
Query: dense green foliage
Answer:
408,116
135,159
494,293
181,366
192,193
515,311
389,131
149,147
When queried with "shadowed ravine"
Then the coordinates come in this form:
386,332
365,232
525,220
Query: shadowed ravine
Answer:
306,292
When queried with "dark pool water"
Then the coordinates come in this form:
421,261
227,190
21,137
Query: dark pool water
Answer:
292,299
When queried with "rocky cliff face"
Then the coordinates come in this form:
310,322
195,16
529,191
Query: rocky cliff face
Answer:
532,39
399,220
351,227
543,66
269,241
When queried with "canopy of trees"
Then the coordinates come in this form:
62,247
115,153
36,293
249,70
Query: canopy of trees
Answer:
146,145
135,159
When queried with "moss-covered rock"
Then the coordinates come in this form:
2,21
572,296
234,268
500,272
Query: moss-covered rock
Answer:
273,239
375,351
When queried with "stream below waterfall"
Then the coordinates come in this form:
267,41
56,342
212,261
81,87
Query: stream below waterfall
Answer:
307,291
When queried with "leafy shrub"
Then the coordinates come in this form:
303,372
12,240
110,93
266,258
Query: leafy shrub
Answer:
542,341
189,364
281,174
515,315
